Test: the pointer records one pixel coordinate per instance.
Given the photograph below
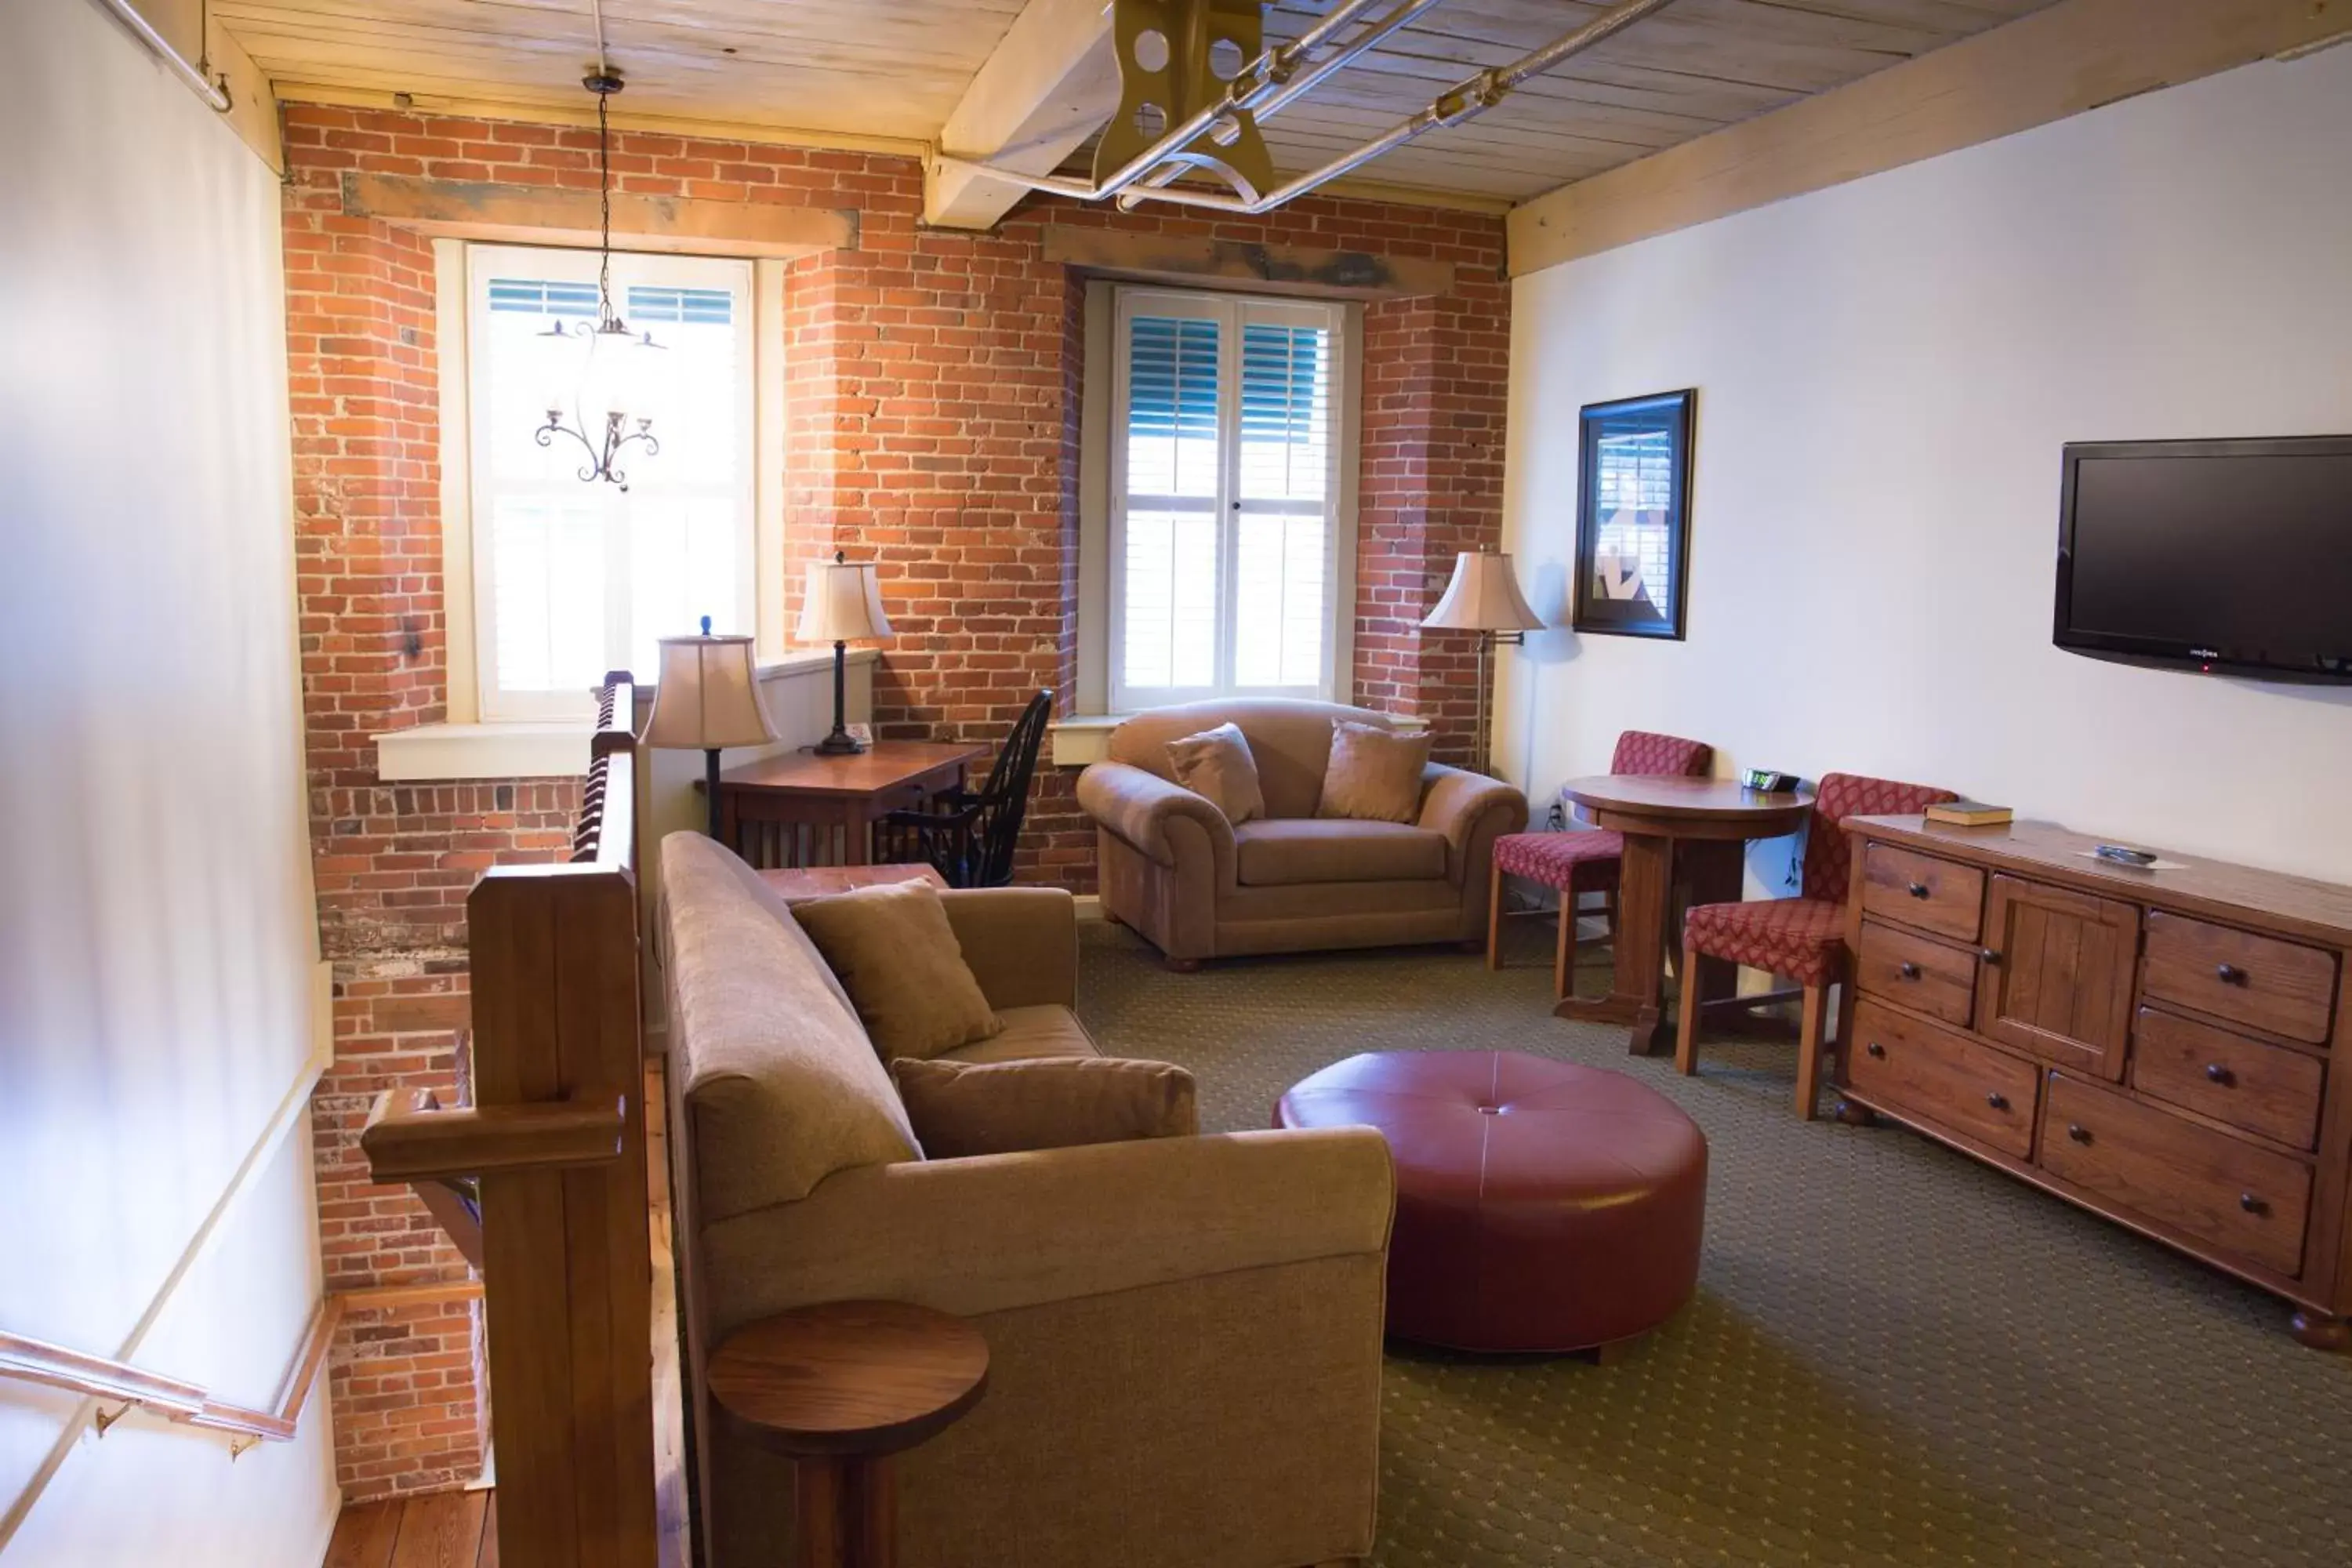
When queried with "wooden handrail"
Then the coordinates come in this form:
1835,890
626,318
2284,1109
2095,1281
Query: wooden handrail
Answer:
606,832
409,1138
98,1377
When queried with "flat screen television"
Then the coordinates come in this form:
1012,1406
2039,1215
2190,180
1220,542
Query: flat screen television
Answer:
2225,556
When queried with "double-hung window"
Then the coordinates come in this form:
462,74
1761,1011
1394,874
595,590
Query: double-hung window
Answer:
1229,569
571,576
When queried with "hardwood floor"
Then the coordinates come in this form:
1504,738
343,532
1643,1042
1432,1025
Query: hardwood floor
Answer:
440,1530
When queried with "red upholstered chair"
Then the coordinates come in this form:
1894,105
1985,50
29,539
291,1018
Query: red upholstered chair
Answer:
1575,864
1805,937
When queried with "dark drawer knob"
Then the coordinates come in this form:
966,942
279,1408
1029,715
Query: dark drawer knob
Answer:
2230,975
2215,1072
1997,1101
1876,1049
2078,1132
1918,889
2251,1204
1908,970
1989,955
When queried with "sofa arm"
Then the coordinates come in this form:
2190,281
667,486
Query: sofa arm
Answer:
1021,944
1156,816
1471,810
1003,1231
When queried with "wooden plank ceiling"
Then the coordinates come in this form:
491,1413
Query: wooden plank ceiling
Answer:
892,70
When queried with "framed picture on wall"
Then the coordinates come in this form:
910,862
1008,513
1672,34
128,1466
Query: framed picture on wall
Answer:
1632,515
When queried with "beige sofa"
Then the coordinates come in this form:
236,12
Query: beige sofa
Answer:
1184,1333
1197,887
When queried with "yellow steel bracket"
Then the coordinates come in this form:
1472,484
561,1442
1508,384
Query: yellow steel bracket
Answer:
1175,58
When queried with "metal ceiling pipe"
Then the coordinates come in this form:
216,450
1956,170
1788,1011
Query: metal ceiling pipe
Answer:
216,95
1266,107
1467,100
1263,76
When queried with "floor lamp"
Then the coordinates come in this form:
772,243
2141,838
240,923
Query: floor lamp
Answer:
1484,598
709,698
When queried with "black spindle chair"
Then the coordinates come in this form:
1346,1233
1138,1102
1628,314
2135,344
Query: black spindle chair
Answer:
968,836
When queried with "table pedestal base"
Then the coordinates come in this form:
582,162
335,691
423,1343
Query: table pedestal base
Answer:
1658,878
848,1509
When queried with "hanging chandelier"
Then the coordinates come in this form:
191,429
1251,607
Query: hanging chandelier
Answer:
610,332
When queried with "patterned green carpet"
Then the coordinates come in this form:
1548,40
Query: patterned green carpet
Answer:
1895,1356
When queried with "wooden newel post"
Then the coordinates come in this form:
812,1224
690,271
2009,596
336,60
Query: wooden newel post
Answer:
556,1136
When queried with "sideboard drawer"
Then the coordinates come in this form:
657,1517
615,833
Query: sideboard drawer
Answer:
1913,889
2279,987
2261,1088
1946,1077
1925,975
2245,1200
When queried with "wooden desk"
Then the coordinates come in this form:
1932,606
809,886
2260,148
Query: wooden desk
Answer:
784,811
1683,839
799,885
841,1387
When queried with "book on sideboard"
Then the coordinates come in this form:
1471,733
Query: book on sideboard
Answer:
1969,813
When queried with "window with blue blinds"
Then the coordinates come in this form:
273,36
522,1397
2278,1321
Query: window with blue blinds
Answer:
1227,563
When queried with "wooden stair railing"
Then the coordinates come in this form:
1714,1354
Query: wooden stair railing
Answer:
188,1403
542,1179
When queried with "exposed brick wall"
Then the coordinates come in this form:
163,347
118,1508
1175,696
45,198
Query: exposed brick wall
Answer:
932,387
393,863
403,1379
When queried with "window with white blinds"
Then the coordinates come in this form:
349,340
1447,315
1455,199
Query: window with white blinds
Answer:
574,577
1227,572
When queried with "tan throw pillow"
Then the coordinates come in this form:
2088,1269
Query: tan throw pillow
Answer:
1374,775
901,963
1216,763
960,1108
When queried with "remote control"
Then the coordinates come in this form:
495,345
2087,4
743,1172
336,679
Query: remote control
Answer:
2123,857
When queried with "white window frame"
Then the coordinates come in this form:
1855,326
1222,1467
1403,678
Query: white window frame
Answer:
1110,305
488,725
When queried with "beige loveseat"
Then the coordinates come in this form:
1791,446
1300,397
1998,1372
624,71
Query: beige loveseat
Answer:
1197,887
1184,1333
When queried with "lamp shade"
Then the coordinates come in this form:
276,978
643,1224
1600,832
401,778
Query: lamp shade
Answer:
708,696
844,603
1482,597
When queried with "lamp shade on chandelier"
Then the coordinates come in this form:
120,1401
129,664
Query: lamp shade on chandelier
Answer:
603,422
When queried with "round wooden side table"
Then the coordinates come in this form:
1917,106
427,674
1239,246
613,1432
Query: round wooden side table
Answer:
841,1387
1682,836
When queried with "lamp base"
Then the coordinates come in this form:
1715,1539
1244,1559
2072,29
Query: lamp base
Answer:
840,743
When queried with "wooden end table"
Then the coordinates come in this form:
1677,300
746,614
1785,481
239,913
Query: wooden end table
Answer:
801,884
841,1387
783,811
1682,836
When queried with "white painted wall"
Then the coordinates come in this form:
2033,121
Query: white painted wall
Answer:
1887,371
157,934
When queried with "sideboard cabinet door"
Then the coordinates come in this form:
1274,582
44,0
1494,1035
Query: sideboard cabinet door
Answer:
2055,980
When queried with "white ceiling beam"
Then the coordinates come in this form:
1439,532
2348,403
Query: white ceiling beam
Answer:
2072,56
1052,83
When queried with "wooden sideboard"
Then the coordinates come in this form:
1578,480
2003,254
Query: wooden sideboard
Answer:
2165,1048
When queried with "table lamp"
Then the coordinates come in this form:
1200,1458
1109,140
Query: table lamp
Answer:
707,699
843,604
1484,598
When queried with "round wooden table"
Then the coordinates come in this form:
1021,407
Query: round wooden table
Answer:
840,1387
1683,841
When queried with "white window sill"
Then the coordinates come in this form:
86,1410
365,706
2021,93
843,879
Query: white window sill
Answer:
557,749
1084,738
483,751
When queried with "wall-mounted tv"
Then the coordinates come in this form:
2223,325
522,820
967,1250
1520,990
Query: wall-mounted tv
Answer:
2225,556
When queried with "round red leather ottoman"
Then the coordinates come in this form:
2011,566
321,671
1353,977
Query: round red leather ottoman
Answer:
1540,1206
